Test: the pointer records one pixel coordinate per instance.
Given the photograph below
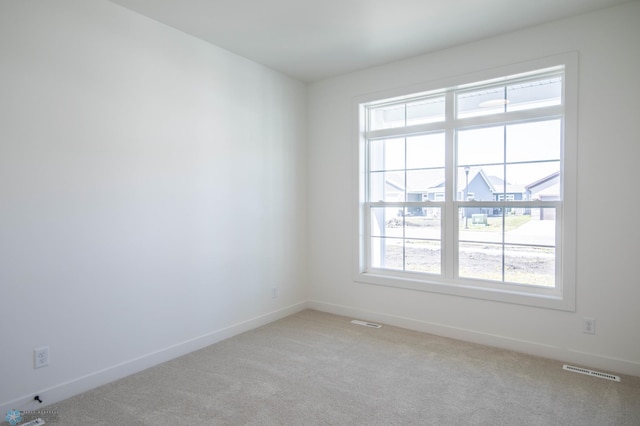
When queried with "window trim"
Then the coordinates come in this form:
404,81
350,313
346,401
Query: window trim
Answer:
560,298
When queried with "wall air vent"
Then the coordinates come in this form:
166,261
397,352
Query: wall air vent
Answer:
591,372
366,324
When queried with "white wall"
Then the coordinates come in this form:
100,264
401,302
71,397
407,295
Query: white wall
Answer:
608,223
152,192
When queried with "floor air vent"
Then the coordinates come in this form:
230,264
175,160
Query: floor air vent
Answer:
591,372
366,324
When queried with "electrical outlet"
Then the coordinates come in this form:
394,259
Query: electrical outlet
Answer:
589,325
41,357
274,292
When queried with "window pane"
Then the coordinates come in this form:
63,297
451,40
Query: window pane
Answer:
508,190
479,183
536,141
480,243
387,242
535,226
386,154
387,117
534,181
480,146
423,256
481,224
423,184
429,110
386,222
425,151
480,261
534,94
530,265
421,226
525,261
387,253
481,102
386,186
521,96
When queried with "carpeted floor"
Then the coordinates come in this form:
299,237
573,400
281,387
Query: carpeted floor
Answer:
314,368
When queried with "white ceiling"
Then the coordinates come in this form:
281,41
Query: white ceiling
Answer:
313,40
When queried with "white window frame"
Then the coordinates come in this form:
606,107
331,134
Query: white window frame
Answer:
562,297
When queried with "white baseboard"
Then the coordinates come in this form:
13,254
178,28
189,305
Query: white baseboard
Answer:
82,384
87,382
563,354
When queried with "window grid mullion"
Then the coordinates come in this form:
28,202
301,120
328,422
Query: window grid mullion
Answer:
406,198
449,230
504,191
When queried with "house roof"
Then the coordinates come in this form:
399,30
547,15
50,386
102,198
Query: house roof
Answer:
418,180
543,180
552,191
495,184
499,186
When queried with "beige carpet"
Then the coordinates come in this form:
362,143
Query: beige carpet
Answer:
318,369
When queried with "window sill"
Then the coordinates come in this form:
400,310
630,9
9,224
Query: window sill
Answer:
520,295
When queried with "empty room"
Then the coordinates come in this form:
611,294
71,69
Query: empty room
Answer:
285,212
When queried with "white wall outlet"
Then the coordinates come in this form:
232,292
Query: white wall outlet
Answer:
589,325
274,292
41,357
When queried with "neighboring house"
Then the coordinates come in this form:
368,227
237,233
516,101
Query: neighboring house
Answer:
481,187
428,185
417,186
545,189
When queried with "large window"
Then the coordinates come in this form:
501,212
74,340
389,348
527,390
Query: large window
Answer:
464,189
